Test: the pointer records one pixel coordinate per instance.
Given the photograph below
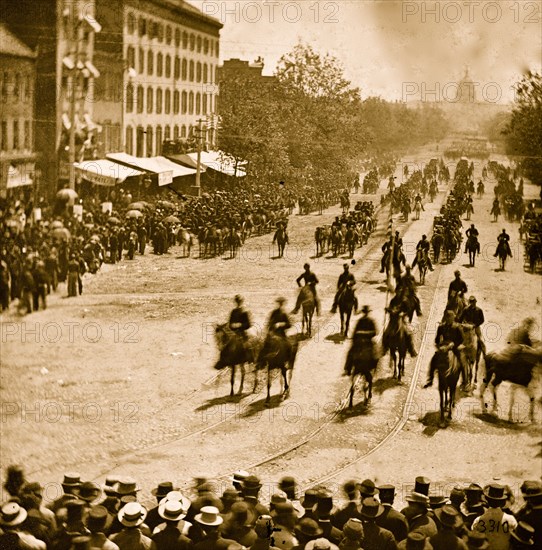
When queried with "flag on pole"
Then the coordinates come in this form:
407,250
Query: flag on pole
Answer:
389,234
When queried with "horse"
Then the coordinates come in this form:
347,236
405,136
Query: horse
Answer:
422,263
417,209
502,253
308,304
184,238
345,203
472,352
455,303
281,237
347,301
321,237
470,210
397,342
433,190
451,245
361,361
437,240
406,210
277,352
336,240
234,351
448,370
233,241
516,365
351,239
473,248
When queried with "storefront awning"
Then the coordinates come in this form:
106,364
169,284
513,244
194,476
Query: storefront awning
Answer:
216,160
20,175
105,172
186,160
165,169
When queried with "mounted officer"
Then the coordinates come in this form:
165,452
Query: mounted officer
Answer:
363,335
278,324
424,245
475,316
504,241
240,319
311,280
472,233
344,278
458,285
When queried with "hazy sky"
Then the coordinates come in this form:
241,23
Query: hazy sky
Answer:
415,50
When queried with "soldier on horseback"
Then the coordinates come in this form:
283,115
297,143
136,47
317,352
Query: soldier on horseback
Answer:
472,233
278,324
448,334
240,319
458,285
475,316
344,278
406,286
504,241
311,280
395,308
364,333
424,245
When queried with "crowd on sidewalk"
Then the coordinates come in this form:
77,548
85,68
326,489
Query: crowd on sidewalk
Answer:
241,514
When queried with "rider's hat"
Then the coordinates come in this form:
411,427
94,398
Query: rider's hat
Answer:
457,272
449,313
281,300
345,265
472,299
238,298
424,236
365,309
306,266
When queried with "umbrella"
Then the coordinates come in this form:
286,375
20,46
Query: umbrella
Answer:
166,204
137,206
61,233
172,219
134,214
67,194
56,224
113,220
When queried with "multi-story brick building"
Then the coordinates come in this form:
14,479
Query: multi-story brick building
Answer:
17,82
158,63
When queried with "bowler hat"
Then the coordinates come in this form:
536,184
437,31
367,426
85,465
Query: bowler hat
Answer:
163,489
252,482
350,488
415,540
495,493
353,529
524,533
242,514
308,528
449,516
371,508
437,501
89,491
477,540
367,488
530,489
457,494
278,498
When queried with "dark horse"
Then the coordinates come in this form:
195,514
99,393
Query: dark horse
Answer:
422,263
456,303
473,248
234,351
436,242
515,365
396,336
361,361
347,302
308,305
502,253
351,240
448,370
278,352
321,237
281,237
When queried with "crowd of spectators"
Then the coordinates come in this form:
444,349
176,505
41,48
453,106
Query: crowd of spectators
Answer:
240,514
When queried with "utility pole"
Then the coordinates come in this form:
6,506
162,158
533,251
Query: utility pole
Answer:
75,32
197,187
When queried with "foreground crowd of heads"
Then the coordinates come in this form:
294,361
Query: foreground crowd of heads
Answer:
236,516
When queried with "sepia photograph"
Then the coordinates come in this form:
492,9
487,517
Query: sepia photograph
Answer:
270,274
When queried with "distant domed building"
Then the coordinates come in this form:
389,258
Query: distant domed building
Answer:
466,92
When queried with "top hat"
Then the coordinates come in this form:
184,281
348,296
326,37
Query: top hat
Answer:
126,486
89,491
97,519
477,540
81,543
457,494
71,480
418,498
287,484
163,489
367,488
309,499
132,514
324,501
415,540
308,528
473,492
495,493
280,300
12,514
353,529
386,491
209,516
449,516
371,508
251,482
421,485
171,510
523,533
350,488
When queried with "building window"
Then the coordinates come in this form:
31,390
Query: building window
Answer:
176,102
5,84
129,147
212,47
28,87
184,103
150,99
149,141
129,98
177,37
150,62
205,73
159,101
131,23
198,72
185,40
206,46
140,99
17,86
15,135
168,35
140,142
198,103
141,60
191,103
217,49
211,103
191,72
175,133
4,135
167,133
130,57
160,32
192,41
184,71
142,26
159,64
204,103
167,106
27,134
216,73
198,44
168,66
183,131
159,140
177,69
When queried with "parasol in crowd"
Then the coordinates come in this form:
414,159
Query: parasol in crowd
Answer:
67,194
134,214
166,204
113,220
57,224
171,219
61,233
137,206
